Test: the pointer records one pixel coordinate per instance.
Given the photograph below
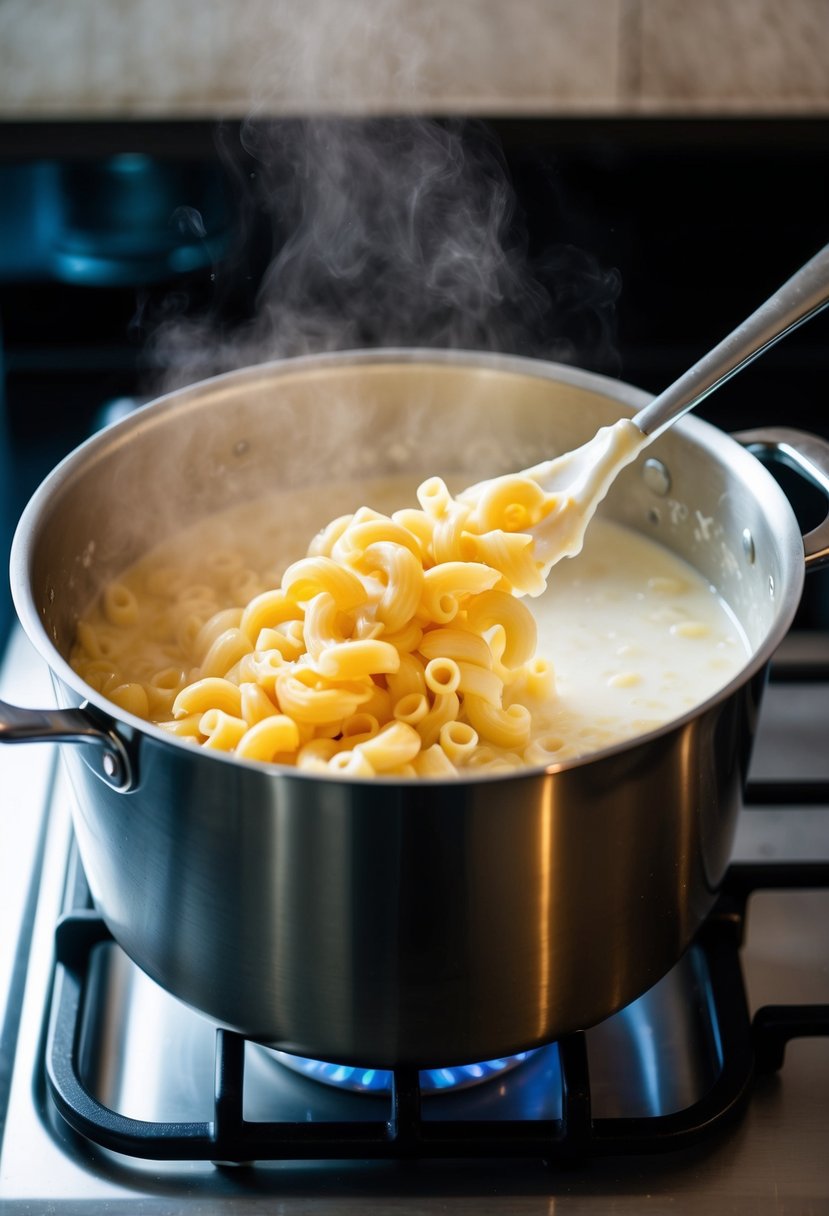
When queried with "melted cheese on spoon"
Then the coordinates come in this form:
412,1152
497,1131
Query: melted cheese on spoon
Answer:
570,488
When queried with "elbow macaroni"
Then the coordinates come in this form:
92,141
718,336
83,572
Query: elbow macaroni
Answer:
396,646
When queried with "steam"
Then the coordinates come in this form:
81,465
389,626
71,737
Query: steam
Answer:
400,235
395,231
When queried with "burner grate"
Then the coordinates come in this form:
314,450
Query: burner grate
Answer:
572,1139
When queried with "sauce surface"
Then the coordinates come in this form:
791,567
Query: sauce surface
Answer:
636,637
629,635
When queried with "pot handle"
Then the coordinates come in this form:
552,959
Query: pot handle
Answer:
109,760
808,455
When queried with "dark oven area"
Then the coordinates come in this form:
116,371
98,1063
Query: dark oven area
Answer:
638,244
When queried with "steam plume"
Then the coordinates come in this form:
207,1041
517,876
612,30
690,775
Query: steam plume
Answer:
392,232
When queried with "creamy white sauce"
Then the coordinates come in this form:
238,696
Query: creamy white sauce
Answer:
575,483
635,636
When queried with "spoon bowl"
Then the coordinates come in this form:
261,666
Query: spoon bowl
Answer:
573,484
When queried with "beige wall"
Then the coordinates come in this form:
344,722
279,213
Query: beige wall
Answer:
192,58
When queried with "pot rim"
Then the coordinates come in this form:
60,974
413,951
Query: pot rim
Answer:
629,397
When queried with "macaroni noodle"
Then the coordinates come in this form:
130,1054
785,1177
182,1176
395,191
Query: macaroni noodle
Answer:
398,646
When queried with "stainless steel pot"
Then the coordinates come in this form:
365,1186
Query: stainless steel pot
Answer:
387,922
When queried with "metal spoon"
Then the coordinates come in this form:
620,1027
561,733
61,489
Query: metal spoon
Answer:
799,299
577,481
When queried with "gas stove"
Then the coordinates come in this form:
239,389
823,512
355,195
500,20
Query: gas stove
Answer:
710,1092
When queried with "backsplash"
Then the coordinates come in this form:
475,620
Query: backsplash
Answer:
151,58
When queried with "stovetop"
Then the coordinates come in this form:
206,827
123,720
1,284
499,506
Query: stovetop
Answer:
683,212
150,1060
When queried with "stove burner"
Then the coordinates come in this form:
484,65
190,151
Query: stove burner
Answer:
380,1081
397,1127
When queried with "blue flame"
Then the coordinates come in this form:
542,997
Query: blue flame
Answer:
378,1080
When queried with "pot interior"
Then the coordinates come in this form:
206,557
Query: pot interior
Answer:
311,422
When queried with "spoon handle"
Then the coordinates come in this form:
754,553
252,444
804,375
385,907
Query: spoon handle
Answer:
800,297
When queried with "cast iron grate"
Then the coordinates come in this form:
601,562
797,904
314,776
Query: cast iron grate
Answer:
573,1139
